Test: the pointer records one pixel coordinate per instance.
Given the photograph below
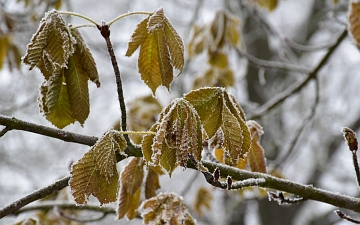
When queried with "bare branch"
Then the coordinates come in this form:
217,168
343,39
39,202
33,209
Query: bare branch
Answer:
271,64
43,192
346,217
296,87
65,205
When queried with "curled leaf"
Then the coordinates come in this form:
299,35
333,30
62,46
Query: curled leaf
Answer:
178,134
52,40
256,155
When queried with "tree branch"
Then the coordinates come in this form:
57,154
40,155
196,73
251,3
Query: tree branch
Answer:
307,192
43,192
65,205
11,123
296,87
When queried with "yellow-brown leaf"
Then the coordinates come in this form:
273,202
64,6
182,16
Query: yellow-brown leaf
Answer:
95,173
203,199
162,208
152,183
256,155
354,21
131,179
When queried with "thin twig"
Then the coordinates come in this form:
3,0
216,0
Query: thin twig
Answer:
271,64
46,205
296,137
128,14
13,123
4,131
346,217
296,87
78,15
73,218
105,32
43,192
356,166
307,48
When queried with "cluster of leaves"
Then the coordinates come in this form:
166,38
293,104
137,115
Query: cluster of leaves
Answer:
66,64
178,137
161,50
179,129
215,38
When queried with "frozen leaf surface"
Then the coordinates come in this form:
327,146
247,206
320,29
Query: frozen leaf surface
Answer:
95,173
178,134
131,179
219,110
166,208
161,50
52,40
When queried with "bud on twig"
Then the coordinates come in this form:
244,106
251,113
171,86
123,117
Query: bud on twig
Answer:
350,138
229,182
216,174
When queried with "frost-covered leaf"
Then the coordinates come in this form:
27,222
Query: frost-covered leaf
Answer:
178,134
161,49
53,40
77,89
256,155
208,104
54,101
95,173
137,37
152,183
166,208
175,45
131,179
147,142
217,109
233,138
203,199
83,53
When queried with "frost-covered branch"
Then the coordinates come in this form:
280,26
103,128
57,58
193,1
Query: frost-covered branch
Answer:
307,192
12,123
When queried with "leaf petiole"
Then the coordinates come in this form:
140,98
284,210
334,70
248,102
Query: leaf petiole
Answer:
78,15
128,14
137,132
